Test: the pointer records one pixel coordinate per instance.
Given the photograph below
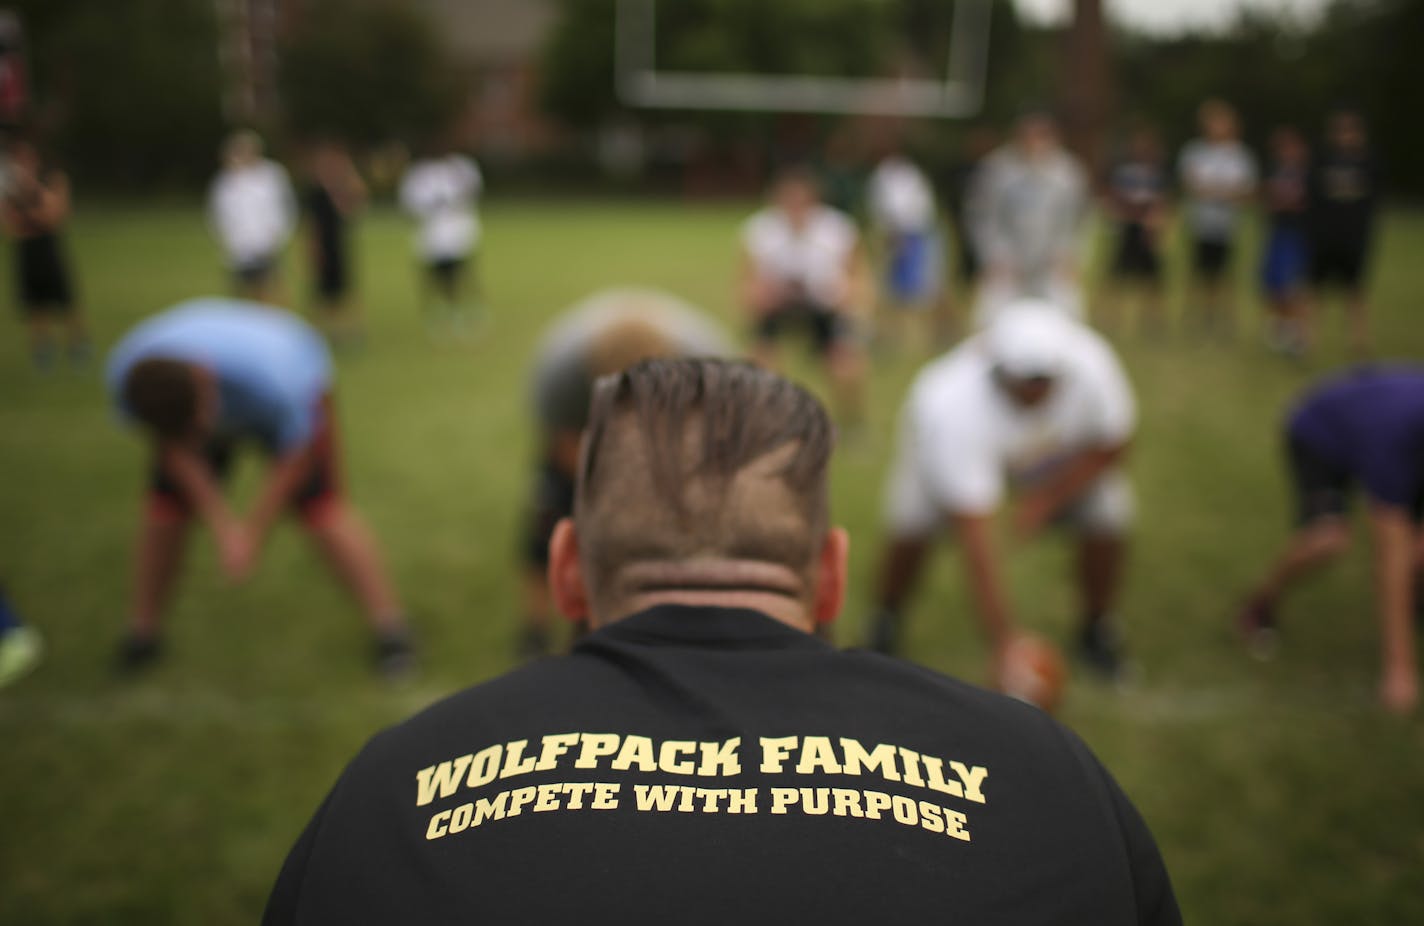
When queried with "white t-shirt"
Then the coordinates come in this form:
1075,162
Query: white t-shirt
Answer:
441,194
814,258
901,198
1224,171
966,441
252,210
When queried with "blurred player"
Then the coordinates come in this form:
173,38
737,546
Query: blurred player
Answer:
441,193
21,647
35,209
1026,213
253,212
1036,402
334,195
1137,202
1366,427
902,209
202,379
1344,196
1218,175
701,757
1287,258
603,334
802,267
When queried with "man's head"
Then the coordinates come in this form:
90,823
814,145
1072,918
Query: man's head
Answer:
1346,130
1036,134
174,400
1288,146
796,192
701,482
242,148
1027,351
1218,120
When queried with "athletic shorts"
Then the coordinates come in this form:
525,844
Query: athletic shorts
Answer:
1136,257
1286,262
1210,258
553,500
915,268
320,488
1338,266
42,276
827,327
1323,488
254,272
446,271
1105,508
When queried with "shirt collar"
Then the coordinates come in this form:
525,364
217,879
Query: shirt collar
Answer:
705,626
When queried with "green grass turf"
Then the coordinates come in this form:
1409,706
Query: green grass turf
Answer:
1279,793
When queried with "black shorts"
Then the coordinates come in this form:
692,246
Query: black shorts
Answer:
446,271
254,273
826,326
552,502
1339,266
1210,258
318,490
1136,257
42,276
1323,488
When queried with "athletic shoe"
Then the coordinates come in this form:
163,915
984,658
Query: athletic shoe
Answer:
395,655
20,651
1100,650
1256,623
138,653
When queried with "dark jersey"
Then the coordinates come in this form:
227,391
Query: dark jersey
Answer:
1287,196
1138,189
1344,192
703,765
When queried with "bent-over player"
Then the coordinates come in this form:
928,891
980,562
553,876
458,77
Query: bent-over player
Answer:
701,757
1038,403
202,379
1367,428
605,333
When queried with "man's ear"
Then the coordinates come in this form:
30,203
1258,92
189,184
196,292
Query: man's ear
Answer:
566,572
832,565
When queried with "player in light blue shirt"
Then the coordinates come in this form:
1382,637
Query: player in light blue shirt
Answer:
202,379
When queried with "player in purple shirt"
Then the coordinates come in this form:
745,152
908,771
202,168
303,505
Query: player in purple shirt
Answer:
202,379
1367,428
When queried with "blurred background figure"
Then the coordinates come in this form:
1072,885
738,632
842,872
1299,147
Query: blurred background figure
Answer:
1026,212
1345,191
1038,403
1286,262
959,180
335,193
441,192
1367,428
35,209
605,333
202,379
1137,203
21,646
253,212
902,211
1218,176
802,266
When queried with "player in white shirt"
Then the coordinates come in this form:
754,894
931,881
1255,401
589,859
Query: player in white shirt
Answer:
1025,212
252,211
441,194
1218,175
902,208
1037,405
802,267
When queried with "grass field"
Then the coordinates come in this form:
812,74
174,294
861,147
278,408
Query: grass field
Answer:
1279,793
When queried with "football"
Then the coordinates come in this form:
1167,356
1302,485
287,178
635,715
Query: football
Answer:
1034,671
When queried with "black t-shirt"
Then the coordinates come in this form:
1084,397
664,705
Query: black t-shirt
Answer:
1344,190
701,765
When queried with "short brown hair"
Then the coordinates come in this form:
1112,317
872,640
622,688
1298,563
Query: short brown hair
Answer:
162,395
689,458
